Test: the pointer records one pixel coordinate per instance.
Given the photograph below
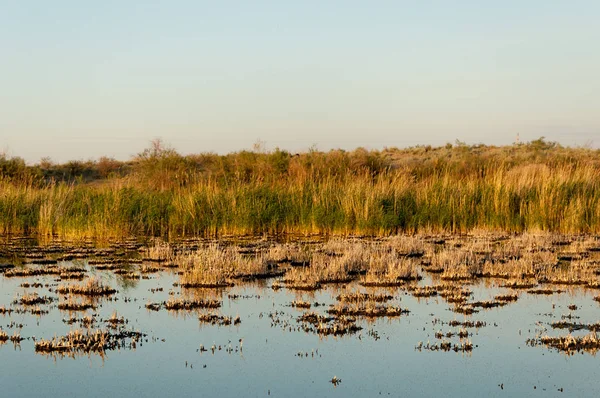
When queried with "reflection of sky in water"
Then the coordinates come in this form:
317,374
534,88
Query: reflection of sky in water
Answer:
269,361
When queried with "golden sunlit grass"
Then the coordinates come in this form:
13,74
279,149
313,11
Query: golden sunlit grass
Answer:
539,186
93,287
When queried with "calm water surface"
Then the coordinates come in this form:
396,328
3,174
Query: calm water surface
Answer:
379,360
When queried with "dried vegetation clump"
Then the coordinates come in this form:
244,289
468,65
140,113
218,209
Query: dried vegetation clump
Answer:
570,344
78,342
93,287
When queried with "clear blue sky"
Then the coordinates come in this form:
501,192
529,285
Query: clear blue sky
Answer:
82,79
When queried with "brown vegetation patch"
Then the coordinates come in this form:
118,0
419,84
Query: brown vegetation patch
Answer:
214,319
182,304
93,287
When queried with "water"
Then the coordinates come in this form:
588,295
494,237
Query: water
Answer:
380,360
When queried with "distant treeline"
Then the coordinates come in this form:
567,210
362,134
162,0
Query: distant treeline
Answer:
535,186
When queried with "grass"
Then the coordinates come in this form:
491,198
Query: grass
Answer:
93,287
539,186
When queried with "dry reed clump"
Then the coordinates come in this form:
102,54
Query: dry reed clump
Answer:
182,304
256,267
153,306
422,291
340,326
71,275
214,319
50,270
462,333
313,322
575,273
467,324
520,284
326,268
507,297
306,279
85,322
16,337
38,311
72,305
126,274
33,299
570,344
300,304
545,291
148,269
387,269
465,309
295,254
35,285
160,252
573,326
367,309
358,297
454,294
445,345
458,265
487,304
407,246
344,267
3,336
90,341
115,321
210,267
93,287
5,311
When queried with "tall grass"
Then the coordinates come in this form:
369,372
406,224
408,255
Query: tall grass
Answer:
457,189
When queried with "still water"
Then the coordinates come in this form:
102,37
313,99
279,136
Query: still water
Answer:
276,359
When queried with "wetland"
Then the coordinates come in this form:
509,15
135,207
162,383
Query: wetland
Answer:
314,315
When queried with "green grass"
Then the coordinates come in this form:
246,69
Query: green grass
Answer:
534,187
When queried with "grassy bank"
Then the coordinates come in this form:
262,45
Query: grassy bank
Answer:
456,188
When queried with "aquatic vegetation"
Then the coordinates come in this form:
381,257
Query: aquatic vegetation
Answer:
467,324
570,344
4,310
445,345
507,297
72,305
358,297
335,381
513,188
423,291
214,319
545,291
367,309
50,270
386,269
93,287
90,341
183,304
486,304
572,326
114,321
300,304
33,299
518,284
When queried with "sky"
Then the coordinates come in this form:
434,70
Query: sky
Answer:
82,79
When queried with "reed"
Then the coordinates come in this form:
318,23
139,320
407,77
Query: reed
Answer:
535,187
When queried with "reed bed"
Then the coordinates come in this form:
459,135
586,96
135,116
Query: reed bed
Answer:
539,186
520,262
